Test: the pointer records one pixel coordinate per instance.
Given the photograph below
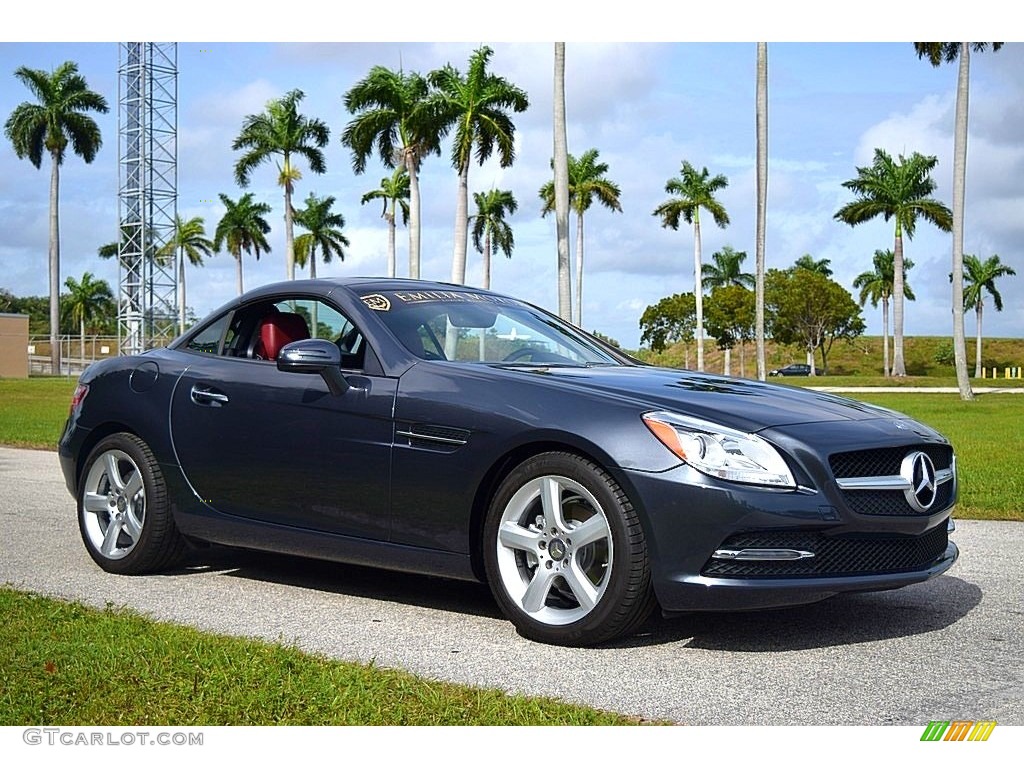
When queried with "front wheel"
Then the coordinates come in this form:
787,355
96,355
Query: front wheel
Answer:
565,554
123,509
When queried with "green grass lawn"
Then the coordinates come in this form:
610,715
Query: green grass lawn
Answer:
902,382
988,436
33,411
65,664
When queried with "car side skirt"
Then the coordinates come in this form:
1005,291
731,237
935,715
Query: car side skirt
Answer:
233,531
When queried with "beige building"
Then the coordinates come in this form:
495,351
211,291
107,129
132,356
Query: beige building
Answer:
13,346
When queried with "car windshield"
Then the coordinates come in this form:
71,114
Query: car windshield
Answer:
470,327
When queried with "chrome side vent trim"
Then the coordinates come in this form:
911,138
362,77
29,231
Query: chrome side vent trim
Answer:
434,434
762,554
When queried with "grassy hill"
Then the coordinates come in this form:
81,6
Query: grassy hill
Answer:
862,357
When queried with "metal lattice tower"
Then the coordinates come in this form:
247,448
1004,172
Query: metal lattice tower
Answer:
147,193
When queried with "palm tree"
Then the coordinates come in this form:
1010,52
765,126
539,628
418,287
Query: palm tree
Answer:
727,269
324,232
282,131
899,190
694,191
936,53
189,240
112,250
980,277
587,181
561,167
761,120
57,118
88,302
476,106
490,228
395,120
877,286
242,228
821,266
394,191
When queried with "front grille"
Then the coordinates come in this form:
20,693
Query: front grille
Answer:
886,462
880,462
894,503
852,555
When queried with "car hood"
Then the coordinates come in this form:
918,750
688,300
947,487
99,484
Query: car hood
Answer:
739,403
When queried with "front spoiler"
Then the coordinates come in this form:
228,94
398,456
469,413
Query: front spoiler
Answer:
685,593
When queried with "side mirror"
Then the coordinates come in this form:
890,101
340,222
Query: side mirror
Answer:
314,356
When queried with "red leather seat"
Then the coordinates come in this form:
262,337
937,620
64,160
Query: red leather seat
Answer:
276,330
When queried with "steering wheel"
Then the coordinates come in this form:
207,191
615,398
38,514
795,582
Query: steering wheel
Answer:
519,353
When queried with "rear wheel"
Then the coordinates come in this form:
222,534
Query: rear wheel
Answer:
565,554
123,509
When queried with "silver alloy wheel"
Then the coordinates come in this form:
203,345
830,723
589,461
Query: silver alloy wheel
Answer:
554,550
113,504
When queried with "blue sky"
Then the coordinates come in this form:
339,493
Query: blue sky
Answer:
646,106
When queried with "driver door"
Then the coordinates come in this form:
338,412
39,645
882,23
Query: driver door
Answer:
278,447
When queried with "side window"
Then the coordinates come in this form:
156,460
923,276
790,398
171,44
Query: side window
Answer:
207,341
325,322
259,331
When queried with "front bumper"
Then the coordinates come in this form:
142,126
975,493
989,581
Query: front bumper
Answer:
688,517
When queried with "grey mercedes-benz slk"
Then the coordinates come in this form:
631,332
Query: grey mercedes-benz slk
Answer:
444,430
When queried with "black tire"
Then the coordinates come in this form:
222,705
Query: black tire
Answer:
124,513
554,589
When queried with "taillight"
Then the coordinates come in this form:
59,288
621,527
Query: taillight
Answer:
76,399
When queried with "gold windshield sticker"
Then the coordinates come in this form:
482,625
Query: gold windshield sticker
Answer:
377,302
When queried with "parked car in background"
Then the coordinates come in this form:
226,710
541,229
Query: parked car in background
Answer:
450,431
794,369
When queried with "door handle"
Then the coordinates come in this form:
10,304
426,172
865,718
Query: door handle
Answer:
205,396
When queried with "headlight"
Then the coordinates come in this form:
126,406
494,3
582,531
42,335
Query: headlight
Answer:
719,451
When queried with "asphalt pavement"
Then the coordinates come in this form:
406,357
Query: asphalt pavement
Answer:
948,649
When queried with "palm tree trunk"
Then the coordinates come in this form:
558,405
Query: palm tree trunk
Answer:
487,262
391,245
561,163
579,270
977,349
315,308
698,292
181,290
54,267
289,233
898,366
727,365
81,340
412,166
461,226
885,337
487,286
959,190
312,262
238,261
762,201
